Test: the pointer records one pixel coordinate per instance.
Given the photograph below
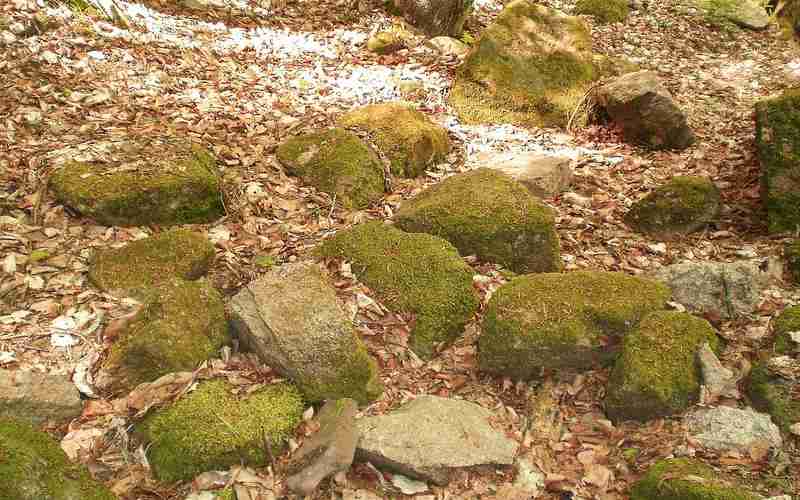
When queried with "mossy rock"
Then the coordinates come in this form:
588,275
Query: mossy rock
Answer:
657,373
686,479
336,162
778,142
516,74
792,254
385,42
180,325
560,321
605,11
33,467
408,138
788,321
774,395
682,206
212,429
411,273
149,262
745,13
488,214
157,182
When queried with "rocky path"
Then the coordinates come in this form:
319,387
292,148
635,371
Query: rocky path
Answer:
241,78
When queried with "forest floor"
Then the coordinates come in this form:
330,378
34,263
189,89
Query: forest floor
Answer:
241,81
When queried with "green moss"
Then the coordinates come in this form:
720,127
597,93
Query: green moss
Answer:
488,214
606,11
38,255
774,395
385,42
212,429
409,139
657,373
336,162
357,378
788,321
265,261
517,75
226,494
163,184
148,262
411,273
681,206
33,467
778,141
686,479
560,321
792,254
181,325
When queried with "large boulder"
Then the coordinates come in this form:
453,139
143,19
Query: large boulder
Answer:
684,478
488,214
33,467
718,289
605,11
778,141
142,264
561,321
431,436
336,162
745,13
517,74
640,104
544,175
327,452
180,325
291,318
159,181
213,428
436,17
38,398
411,273
408,138
724,429
657,373
682,206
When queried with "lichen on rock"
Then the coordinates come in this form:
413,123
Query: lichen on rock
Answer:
408,138
160,181
139,265
336,162
559,321
683,478
414,273
33,467
212,428
657,373
683,205
605,11
487,213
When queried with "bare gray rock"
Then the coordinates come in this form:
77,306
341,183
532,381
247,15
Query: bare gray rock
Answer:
292,319
543,175
430,436
440,17
717,380
38,397
448,46
723,289
327,452
723,428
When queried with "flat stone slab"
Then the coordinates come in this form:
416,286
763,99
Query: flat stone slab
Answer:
38,397
429,436
724,428
544,175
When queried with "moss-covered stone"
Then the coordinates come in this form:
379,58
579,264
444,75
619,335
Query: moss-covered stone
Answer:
336,162
560,321
385,42
33,467
778,141
605,11
488,214
686,479
181,324
683,205
657,373
774,395
517,74
409,139
212,429
792,254
157,182
745,13
411,273
148,262
788,321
